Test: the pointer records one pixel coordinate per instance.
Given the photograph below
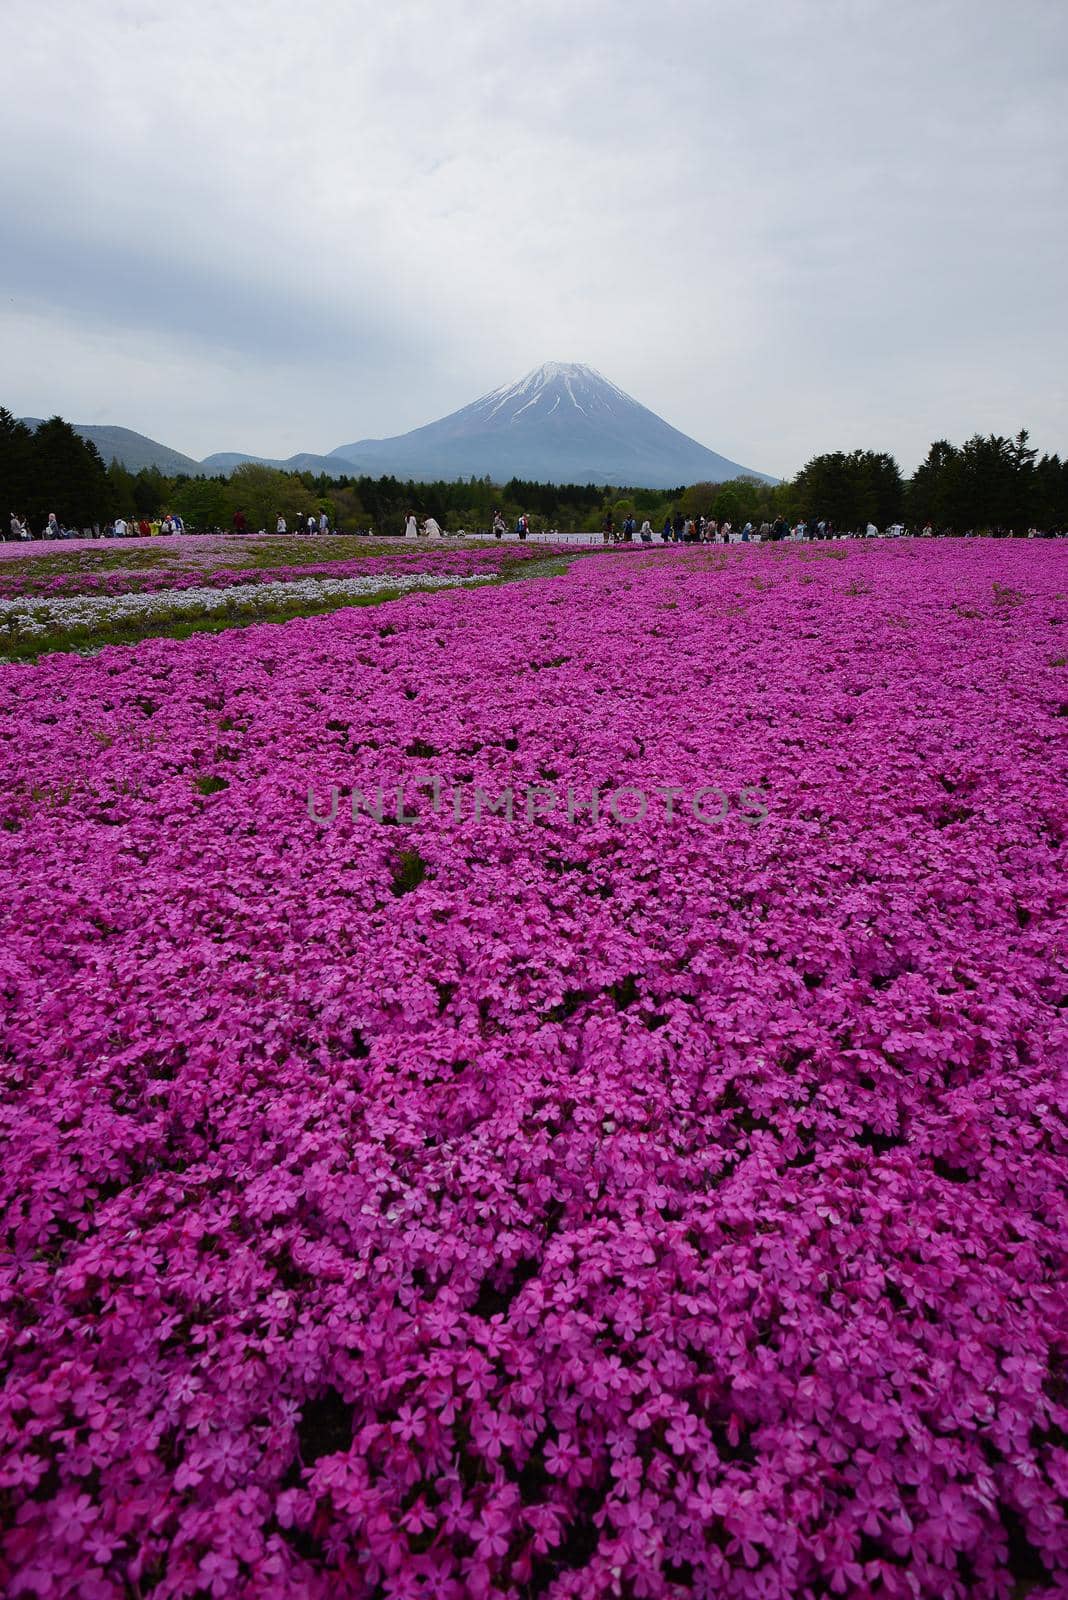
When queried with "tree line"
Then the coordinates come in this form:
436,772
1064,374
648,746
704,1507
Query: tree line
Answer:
992,484
988,484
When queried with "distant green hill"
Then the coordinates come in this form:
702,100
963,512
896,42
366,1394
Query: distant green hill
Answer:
227,461
133,450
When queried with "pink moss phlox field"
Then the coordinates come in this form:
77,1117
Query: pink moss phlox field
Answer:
176,543
547,1207
404,558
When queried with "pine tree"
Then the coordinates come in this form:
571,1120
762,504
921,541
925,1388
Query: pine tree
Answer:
69,477
16,466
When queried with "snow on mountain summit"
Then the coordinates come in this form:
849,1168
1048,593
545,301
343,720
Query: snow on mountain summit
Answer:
553,385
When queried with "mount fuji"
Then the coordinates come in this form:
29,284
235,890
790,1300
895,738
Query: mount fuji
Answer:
562,423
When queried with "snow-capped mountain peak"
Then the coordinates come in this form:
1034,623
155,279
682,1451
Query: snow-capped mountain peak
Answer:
563,421
553,387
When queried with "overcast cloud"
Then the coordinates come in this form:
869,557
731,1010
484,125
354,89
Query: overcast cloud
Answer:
787,227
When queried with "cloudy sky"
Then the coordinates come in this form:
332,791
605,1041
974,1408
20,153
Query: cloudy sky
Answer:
788,227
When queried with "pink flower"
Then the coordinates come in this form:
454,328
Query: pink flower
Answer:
458,1204
684,1433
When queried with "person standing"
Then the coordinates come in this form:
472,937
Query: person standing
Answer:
411,527
665,532
324,522
240,522
609,527
499,526
646,532
280,525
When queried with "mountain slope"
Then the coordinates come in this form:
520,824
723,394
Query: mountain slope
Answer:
225,461
563,423
133,450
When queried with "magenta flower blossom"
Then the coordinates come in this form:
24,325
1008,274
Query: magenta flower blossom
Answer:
562,1205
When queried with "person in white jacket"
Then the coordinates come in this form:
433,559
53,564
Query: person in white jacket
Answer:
432,528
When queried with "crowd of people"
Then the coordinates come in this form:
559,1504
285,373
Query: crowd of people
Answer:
135,527
706,530
676,529
119,528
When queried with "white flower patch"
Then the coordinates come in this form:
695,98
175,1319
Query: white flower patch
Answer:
32,615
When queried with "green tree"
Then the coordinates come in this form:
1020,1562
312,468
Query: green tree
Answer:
120,489
849,490
994,482
825,489
737,501
727,506
883,488
696,500
346,510
202,502
69,477
16,466
1051,493
265,493
151,491
930,495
